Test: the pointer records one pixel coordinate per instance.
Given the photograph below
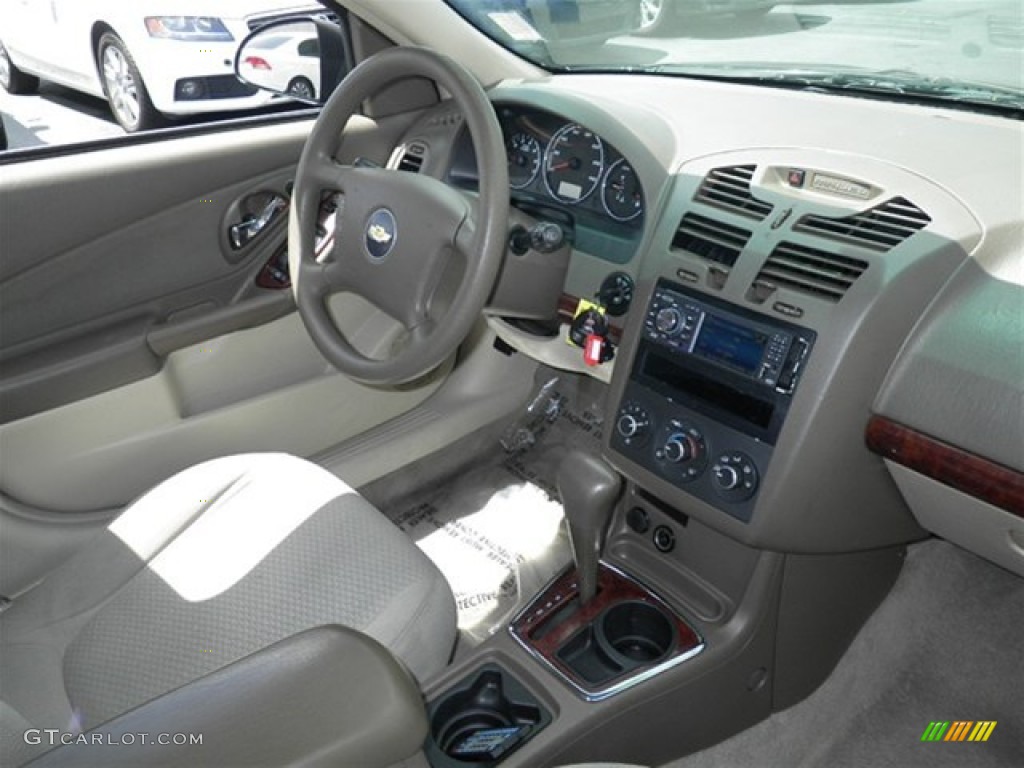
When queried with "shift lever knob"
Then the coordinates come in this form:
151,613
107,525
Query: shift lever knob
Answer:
589,488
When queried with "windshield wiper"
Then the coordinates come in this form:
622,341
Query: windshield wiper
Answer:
896,83
911,84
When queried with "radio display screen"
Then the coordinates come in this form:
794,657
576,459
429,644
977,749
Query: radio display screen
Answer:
730,344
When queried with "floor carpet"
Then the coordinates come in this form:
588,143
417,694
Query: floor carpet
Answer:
946,645
487,512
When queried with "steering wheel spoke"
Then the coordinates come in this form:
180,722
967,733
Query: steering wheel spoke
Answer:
328,174
395,238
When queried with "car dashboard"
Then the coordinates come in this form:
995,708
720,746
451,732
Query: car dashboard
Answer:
788,257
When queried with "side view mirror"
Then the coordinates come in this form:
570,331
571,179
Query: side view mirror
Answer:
303,59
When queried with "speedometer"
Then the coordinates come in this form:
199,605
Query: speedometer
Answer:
573,164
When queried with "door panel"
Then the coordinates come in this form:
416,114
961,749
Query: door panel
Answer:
266,388
134,340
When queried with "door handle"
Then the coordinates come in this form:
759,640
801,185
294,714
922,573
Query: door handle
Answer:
252,224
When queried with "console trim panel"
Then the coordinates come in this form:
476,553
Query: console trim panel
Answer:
531,631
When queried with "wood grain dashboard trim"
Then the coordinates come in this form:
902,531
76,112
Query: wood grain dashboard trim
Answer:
994,483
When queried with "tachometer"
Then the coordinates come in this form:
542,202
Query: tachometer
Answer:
573,164
621,195
524,158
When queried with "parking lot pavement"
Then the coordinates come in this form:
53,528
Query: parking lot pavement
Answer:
55,116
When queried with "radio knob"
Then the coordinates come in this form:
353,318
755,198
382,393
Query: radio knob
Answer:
679,448
668,320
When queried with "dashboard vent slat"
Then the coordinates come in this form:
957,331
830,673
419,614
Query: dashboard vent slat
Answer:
710,239
878,229
811,270
413,157
729,189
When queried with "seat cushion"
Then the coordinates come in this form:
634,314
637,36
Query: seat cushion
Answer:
249,550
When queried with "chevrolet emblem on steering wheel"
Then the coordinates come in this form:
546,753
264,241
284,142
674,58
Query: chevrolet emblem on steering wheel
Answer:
381,233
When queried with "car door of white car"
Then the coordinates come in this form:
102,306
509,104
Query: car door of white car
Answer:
51,34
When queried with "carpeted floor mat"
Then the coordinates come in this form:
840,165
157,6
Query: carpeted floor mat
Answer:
944,646
488,513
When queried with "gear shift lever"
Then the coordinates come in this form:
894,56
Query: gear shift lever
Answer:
589,488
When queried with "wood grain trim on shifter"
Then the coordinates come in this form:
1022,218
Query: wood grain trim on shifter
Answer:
994,483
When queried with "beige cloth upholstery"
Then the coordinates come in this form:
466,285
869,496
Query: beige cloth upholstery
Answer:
220,561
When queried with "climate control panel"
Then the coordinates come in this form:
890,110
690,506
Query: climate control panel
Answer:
704,457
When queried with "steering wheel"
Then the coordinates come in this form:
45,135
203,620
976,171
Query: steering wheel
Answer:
400,238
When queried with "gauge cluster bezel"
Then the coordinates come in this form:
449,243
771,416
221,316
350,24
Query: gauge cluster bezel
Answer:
557,161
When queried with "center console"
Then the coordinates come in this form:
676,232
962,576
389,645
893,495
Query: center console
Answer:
707,395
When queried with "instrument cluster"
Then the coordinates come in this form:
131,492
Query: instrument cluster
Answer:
551,159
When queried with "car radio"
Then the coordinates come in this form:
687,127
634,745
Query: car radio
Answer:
708,393
756,349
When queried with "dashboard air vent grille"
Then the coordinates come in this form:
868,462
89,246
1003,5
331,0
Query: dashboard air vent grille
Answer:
810,270
710,239
412,158
729,188
879,229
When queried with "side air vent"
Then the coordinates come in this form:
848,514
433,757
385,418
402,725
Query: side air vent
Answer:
878,229
729,188
809,270
710,239
412,158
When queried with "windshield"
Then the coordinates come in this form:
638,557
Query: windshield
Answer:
961,52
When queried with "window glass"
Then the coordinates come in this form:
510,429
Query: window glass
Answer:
961,53
81,70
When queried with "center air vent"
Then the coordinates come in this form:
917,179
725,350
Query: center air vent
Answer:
729,188
710,239
413,157
878,229
808,270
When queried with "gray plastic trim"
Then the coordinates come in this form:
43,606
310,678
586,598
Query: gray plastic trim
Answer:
975,525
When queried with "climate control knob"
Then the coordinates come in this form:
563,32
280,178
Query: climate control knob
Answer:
734,476
726,477
683,452
679,448
633,424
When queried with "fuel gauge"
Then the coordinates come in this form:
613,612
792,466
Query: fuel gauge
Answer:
524,156
621,195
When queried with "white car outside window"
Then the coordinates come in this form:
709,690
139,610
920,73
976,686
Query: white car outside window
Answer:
288,62
149,60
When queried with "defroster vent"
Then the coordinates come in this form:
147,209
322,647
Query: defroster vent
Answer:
809,270
729,189
878,229
710,239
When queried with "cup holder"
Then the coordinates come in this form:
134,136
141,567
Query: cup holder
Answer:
623,638
638,633
481,719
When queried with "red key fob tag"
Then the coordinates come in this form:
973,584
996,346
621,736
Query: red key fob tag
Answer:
593,349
